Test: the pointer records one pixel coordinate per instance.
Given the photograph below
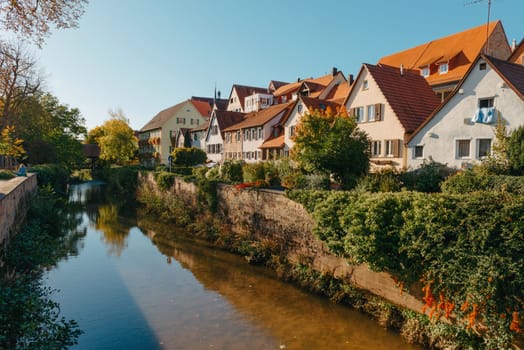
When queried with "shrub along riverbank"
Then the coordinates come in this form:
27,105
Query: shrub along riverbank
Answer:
29,318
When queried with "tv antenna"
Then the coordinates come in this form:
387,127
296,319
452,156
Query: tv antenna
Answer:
486,51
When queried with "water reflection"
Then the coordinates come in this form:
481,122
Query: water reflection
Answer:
291,317
157,288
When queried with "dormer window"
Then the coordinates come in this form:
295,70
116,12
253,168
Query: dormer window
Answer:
443,68
424,71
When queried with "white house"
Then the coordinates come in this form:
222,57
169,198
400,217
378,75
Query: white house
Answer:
461,131
389,103
214,139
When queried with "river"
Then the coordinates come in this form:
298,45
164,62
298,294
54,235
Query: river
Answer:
129,289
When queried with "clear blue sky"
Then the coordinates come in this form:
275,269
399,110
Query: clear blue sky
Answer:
144,56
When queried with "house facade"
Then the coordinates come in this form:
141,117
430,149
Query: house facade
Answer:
443,62
389,104
215,135
243,140
156,140
198,136
461,132
238,96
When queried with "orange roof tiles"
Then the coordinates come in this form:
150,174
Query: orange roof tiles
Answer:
408,94
275,142
314,84
202,107
460,48
262,116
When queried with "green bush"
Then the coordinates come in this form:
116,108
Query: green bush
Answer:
467,248
471,181
121,180
164,180
252,172
515,150
386,180
427,178
231,171
51,174
6,175
182,170
184,156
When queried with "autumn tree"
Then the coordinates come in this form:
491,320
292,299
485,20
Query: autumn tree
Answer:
33,19
118,142
19,79
330,143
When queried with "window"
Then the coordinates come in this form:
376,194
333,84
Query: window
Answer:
259,133
299,108
291,131
228,137
419,151
254,134
443,68
482,66
195,136
376,148
365,85
214,130
238,136
425,71
393,148
371,113
359,113
486,102
192,121
484,148
463,148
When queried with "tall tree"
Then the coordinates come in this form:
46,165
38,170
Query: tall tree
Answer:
18,79
32,19
118,143
331,143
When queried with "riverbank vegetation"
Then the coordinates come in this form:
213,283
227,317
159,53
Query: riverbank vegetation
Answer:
29,318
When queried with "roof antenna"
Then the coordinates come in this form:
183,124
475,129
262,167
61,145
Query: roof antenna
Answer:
486,50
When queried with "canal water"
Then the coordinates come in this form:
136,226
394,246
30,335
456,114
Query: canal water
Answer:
130,287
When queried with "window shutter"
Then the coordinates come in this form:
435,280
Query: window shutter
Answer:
378,111
397,148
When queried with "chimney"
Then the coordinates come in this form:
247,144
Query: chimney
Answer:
401,69
513,45
298,79
350,79
218,94
334,71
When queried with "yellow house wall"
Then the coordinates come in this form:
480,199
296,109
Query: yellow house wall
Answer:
389,128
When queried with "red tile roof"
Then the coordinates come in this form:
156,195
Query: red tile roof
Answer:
462,48
227,118
202,107
244,91
262,116
512,73
409,95
316,84
274,142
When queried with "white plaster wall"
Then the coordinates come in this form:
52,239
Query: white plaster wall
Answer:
235,106
389,128
253,145
452,122
214,139
293,120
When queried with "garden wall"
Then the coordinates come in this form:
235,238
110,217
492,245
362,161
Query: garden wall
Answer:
14,197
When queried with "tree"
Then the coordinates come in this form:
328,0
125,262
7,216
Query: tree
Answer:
94,134
18,79
515,150
9,145
51,131
31,19
184,156
331,143
118,143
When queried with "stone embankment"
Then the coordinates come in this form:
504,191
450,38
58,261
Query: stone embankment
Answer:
14,199
270,216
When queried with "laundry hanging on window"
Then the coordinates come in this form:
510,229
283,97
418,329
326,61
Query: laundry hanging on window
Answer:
485,115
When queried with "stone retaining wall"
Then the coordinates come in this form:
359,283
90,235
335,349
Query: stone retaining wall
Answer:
270,216
14,195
